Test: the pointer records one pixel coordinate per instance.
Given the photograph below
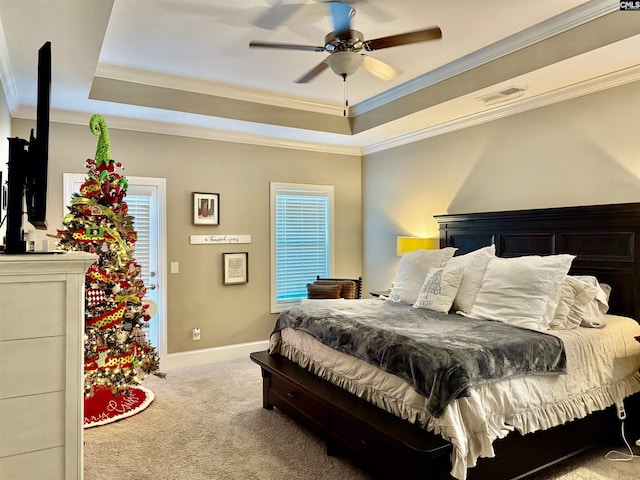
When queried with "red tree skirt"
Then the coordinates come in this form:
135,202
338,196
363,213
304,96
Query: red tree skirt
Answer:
104,407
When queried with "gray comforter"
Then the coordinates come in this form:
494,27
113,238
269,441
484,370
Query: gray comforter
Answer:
439,355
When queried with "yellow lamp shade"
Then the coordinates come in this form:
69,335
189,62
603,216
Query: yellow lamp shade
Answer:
409,244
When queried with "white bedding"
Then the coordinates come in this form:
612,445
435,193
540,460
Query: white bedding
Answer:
602,366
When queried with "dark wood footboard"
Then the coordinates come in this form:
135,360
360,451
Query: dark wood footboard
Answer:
384,444
390,447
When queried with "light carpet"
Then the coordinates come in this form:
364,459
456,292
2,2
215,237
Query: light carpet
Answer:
207,423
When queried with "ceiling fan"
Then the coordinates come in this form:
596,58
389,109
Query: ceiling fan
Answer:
344,46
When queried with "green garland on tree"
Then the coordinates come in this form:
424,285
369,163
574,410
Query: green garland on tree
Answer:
117,353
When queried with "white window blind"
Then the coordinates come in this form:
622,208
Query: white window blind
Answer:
140,210
302,233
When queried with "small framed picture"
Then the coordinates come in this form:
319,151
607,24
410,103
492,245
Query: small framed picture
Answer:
206,208
236,268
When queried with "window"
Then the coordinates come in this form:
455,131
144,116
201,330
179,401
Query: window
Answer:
301,240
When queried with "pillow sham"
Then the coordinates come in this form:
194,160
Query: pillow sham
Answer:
413,269
323,291
575,295
522,291
594,313
474,264
439,289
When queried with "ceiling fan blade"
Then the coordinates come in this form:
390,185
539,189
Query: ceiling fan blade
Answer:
375,12
285,46
403,39
341,14
311,74
277,15
379,69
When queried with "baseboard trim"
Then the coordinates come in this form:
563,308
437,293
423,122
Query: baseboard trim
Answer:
210,355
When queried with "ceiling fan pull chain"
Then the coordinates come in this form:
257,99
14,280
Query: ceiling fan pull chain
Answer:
345,95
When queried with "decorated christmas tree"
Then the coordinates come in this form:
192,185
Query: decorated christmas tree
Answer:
117,354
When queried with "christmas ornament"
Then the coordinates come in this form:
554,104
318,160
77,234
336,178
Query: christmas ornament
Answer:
94,296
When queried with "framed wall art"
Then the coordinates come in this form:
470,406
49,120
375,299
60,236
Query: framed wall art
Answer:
236,268
206,208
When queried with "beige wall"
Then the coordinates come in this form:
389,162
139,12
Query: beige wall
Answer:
579,152
241,174
583,151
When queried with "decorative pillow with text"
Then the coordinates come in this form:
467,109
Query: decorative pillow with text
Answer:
439,289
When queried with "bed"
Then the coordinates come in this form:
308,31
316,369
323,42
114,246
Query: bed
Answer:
393,439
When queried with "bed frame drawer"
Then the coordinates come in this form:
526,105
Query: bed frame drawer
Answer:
351,425
388,457
297,403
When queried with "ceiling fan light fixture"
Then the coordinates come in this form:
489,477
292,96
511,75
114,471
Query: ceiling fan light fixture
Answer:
345,44
344,64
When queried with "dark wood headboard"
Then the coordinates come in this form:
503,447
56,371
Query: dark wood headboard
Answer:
604,238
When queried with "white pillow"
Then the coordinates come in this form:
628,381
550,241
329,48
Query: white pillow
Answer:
575,295
413,269
439,289
522,291
475,264
594,312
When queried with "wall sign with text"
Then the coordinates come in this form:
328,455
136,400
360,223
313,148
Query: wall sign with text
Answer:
218,239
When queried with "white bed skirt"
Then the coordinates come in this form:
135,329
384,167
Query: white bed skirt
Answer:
602,367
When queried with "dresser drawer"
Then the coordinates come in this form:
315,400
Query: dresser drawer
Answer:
297,402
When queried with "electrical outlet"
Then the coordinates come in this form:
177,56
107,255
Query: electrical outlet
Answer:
196,333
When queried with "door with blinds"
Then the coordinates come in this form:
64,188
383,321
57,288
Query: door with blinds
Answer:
146,202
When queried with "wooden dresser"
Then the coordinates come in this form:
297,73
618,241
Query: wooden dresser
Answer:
41,365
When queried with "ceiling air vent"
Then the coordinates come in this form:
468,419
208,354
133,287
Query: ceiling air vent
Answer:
503,95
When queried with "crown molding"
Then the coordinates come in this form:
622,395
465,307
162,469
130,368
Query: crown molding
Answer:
560,23
193,131
218,89
604,82
594,85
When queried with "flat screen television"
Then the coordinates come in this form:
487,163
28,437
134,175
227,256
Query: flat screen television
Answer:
29,165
